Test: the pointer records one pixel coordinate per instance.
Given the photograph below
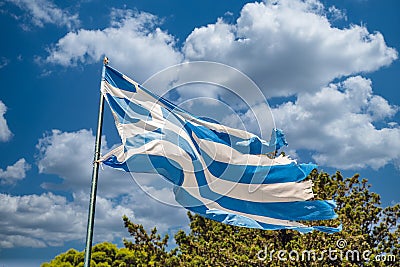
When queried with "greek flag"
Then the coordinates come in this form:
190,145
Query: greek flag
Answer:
221,173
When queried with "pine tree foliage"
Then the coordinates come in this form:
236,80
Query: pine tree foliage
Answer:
370,237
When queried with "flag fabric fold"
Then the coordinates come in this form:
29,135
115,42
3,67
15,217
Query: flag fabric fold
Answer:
217,171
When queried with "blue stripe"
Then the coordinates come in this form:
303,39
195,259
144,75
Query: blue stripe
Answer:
115,78
255,146
278,139
121,105
128,112
169,105
206,134
142,139
248,174
300,210
193,204
252,146
161,134
248,146
149,164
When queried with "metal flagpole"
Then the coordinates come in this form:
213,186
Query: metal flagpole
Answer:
95,172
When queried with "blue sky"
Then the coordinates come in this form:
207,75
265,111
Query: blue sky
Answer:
329,70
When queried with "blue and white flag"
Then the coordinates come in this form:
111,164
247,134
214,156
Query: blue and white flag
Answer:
218,172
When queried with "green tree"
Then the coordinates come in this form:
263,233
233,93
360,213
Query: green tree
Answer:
367,228
149,249
145,250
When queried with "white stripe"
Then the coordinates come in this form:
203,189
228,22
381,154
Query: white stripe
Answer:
264,193
217,151
141,95
219,127
227,154
190,185
278,192
264,219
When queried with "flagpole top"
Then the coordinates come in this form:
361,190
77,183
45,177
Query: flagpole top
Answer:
105,61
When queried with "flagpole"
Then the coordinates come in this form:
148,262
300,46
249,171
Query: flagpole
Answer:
95,174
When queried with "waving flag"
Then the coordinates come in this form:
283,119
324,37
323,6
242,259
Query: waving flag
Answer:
219,172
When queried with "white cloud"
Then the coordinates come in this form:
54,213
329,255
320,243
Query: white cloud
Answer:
50,220
46,12
59,151
15,172
4,62
255,120
69,155
5,133
286,46
215,91
337,125
336,14
289,46
133,42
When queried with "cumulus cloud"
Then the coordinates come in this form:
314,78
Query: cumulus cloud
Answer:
289,46
41,12
12,174
337,124
5,133
69,155
133,42
55,219
50,220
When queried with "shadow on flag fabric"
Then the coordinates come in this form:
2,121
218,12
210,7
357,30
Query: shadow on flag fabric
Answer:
218,172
